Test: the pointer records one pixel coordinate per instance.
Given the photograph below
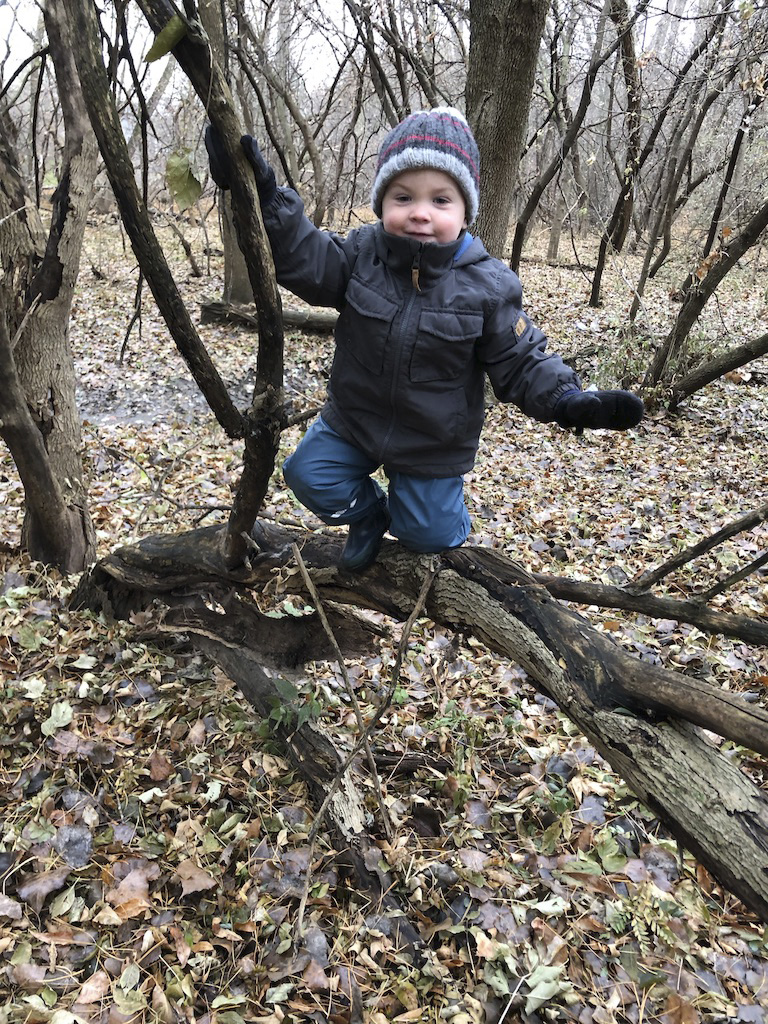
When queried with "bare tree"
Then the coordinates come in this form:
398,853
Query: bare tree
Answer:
697,298
600,55
36,293
677,158
754,101
616,231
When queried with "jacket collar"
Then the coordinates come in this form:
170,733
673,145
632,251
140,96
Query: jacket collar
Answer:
415,260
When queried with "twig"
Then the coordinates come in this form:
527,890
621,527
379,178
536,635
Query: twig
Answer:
136,316
196,271
720,588
157,484
302,417
364,734
747,522
429,576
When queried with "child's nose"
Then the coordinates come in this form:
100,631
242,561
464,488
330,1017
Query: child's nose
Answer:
420,211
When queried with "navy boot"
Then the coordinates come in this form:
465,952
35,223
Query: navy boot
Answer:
364,539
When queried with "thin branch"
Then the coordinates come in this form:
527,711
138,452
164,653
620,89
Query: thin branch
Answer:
348,686
41,53
137,307
736,577
747,522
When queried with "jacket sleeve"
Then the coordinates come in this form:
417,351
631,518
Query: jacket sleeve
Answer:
513,353
313,264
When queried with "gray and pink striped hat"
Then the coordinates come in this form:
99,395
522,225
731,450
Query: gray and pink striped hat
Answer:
439,140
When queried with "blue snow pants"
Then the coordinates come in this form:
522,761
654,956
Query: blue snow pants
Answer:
332,478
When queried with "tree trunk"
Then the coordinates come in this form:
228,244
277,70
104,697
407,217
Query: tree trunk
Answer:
237,284
287,104
569,139
391,107
615,233
38,358
555,229
316,321
262,424
617,227
54,531
714,227
503,50
622,704
679,157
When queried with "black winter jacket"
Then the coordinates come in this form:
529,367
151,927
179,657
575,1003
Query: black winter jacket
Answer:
419,327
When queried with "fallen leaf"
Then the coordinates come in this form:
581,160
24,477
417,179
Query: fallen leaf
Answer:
314,977
131,896
34,889
680,1011
160,768
60,716
193,877
74,843
10,908
29,977
94,988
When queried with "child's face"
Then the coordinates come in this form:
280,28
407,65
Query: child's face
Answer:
426,205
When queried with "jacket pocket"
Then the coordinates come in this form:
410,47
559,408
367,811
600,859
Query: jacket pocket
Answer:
364,324
433,420
445,347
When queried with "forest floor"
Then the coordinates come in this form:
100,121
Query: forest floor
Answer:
153,844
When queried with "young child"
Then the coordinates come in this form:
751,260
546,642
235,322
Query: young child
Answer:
425,313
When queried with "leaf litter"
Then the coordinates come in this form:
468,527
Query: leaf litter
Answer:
154,842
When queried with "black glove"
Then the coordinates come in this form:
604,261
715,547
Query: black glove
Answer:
266,184
609,410
217,158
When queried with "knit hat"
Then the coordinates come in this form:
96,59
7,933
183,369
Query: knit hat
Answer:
438,140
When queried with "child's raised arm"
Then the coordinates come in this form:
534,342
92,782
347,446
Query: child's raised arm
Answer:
313,264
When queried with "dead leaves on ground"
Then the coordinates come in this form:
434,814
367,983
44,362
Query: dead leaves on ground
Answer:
156,852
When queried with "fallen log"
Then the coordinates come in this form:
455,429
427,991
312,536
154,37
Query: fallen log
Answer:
317,321
615,699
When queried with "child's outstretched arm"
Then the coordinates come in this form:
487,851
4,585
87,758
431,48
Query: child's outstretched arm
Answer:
313,264
540,383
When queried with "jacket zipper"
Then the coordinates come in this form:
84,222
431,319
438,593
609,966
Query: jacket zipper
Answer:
415,267
398,357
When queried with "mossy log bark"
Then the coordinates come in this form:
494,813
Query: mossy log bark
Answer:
644,720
